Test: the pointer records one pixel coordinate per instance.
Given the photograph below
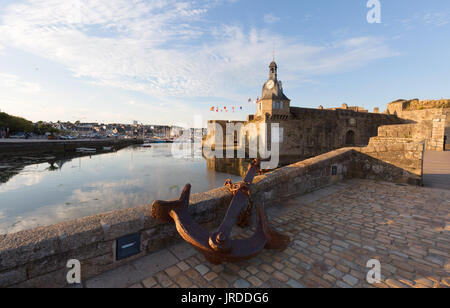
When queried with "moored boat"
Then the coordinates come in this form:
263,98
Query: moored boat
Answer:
86,150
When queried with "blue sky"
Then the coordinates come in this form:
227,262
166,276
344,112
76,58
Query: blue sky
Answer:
164,61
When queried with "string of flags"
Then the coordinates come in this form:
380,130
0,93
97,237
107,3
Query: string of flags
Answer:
254,101
226,109
232,108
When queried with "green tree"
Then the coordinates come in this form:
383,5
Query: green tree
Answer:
15,124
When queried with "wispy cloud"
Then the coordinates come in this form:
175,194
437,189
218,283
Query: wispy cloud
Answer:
434,19
271,19
162,48
9,82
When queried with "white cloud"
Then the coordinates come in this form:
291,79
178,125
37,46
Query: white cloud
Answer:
433,19
13,83
271,19
162,48
22,180
436,19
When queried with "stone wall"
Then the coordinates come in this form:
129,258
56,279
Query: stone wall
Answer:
398,160
399,131
430,125
447,127
12,148
310,132
402,105
38,257
211,136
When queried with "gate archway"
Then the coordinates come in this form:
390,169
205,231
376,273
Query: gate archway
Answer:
350,138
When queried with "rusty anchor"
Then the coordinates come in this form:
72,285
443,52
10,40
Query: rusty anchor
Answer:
219,247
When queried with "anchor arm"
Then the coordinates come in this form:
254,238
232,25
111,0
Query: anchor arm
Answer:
189,230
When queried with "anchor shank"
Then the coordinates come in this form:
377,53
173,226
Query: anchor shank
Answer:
239,201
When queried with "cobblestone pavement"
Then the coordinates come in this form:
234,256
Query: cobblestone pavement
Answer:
334,232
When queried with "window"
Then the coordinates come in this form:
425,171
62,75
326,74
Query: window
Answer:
281,105
334,170
276,105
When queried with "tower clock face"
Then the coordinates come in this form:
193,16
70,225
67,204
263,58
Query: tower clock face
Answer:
270,84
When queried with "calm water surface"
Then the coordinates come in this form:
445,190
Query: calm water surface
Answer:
41,195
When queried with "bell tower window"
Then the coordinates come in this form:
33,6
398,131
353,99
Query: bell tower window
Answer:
273,71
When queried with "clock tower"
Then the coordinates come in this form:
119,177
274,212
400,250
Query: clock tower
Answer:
273,102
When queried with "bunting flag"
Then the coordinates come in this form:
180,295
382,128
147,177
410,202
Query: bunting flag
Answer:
226,109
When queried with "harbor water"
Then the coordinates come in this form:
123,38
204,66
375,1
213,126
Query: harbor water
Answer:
60,190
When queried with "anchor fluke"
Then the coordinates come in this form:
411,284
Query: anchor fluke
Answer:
161,209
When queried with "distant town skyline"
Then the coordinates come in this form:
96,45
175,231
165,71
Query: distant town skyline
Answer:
163,62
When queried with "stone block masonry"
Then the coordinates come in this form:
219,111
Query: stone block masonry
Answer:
397,160
428,125
38,257
310,132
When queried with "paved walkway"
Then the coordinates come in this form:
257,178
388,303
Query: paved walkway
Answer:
334,233
436,169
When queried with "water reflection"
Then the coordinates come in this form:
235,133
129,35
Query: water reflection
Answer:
65,189
238,166
57,164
